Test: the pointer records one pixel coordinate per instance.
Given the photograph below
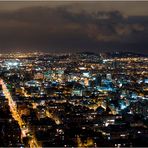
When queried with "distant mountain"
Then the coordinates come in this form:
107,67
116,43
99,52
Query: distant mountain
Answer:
126,54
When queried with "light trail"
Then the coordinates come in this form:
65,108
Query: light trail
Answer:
13,109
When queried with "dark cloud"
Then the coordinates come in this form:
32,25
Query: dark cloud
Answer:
59,29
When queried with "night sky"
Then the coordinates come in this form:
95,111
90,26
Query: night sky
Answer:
74,26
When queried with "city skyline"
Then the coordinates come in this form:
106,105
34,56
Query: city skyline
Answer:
73,26
73,100
73,74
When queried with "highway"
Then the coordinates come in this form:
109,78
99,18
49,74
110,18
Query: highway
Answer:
13,109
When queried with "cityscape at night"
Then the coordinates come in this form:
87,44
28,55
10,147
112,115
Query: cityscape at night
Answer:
73,74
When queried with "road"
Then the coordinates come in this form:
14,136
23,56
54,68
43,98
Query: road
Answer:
13,109
55,118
